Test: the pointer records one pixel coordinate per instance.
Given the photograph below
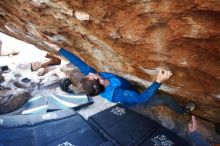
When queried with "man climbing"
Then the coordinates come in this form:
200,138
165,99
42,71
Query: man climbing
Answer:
117,89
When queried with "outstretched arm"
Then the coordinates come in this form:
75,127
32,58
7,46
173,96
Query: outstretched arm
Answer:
131,96
83,67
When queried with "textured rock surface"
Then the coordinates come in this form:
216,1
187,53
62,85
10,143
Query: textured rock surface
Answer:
11,102
131,38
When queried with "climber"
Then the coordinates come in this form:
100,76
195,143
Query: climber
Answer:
195,135
117,89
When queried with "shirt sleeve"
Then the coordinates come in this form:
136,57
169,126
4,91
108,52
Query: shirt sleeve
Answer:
83,67
198,139
132,96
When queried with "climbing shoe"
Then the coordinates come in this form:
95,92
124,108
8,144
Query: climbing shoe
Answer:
189,107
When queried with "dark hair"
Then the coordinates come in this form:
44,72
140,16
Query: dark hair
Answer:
92,87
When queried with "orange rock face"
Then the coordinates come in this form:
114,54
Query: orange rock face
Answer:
131,38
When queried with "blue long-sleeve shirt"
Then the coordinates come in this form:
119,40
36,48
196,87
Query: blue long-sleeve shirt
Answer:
198,139
118,89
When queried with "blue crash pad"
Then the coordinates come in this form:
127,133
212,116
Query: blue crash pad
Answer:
53,102
124,127
59,128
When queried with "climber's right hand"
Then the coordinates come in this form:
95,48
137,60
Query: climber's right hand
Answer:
163,75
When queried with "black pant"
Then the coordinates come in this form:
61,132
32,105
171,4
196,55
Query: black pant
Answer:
161,99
